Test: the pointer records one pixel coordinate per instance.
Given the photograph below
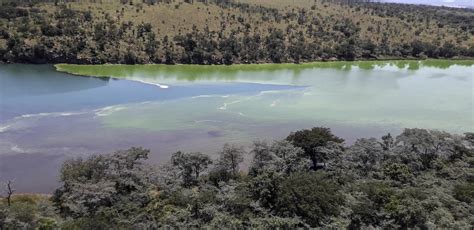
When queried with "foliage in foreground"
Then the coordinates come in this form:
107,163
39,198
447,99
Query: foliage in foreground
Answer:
420,179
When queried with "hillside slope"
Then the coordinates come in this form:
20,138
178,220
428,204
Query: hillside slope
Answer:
226,31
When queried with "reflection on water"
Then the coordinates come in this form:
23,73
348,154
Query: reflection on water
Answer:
57,115
233,72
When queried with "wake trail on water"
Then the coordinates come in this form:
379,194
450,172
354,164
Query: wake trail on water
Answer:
18,122
53,114
24,121
162,86
108,110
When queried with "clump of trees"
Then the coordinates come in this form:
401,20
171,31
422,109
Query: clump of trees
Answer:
418,179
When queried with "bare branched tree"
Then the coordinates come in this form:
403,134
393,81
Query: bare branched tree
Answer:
10,192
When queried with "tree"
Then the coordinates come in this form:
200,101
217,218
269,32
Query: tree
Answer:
448,50
423,147
387,142
310,196
227,166
418,48
230,158
191,166
281,157
407,209
297,49
368,210
105,190
348,50
290,158
398,172
10,192
263,158
275,46
265,188
130,57
314,142
366,155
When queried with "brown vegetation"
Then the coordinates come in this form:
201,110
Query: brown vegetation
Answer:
226,31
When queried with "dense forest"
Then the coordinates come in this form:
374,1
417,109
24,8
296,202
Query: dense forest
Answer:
228,31
420,179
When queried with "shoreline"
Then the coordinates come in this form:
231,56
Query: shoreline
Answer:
460,58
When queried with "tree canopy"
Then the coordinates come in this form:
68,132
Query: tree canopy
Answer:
419,179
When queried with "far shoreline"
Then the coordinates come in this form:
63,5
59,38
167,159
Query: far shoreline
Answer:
331,60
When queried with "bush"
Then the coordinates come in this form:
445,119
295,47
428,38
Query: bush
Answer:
464,192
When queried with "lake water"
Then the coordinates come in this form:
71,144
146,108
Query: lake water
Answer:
48,116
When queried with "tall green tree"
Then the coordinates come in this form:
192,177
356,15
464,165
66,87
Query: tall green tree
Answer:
191,166
310,196
230,158
315,143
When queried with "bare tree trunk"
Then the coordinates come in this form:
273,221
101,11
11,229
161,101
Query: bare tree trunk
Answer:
10,192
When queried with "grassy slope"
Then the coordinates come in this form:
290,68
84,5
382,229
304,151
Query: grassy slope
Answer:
179,18
171,20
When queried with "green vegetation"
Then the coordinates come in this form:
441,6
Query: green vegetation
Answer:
420,179
229,72
229,31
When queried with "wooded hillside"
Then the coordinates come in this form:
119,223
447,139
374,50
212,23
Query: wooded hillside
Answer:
227,31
